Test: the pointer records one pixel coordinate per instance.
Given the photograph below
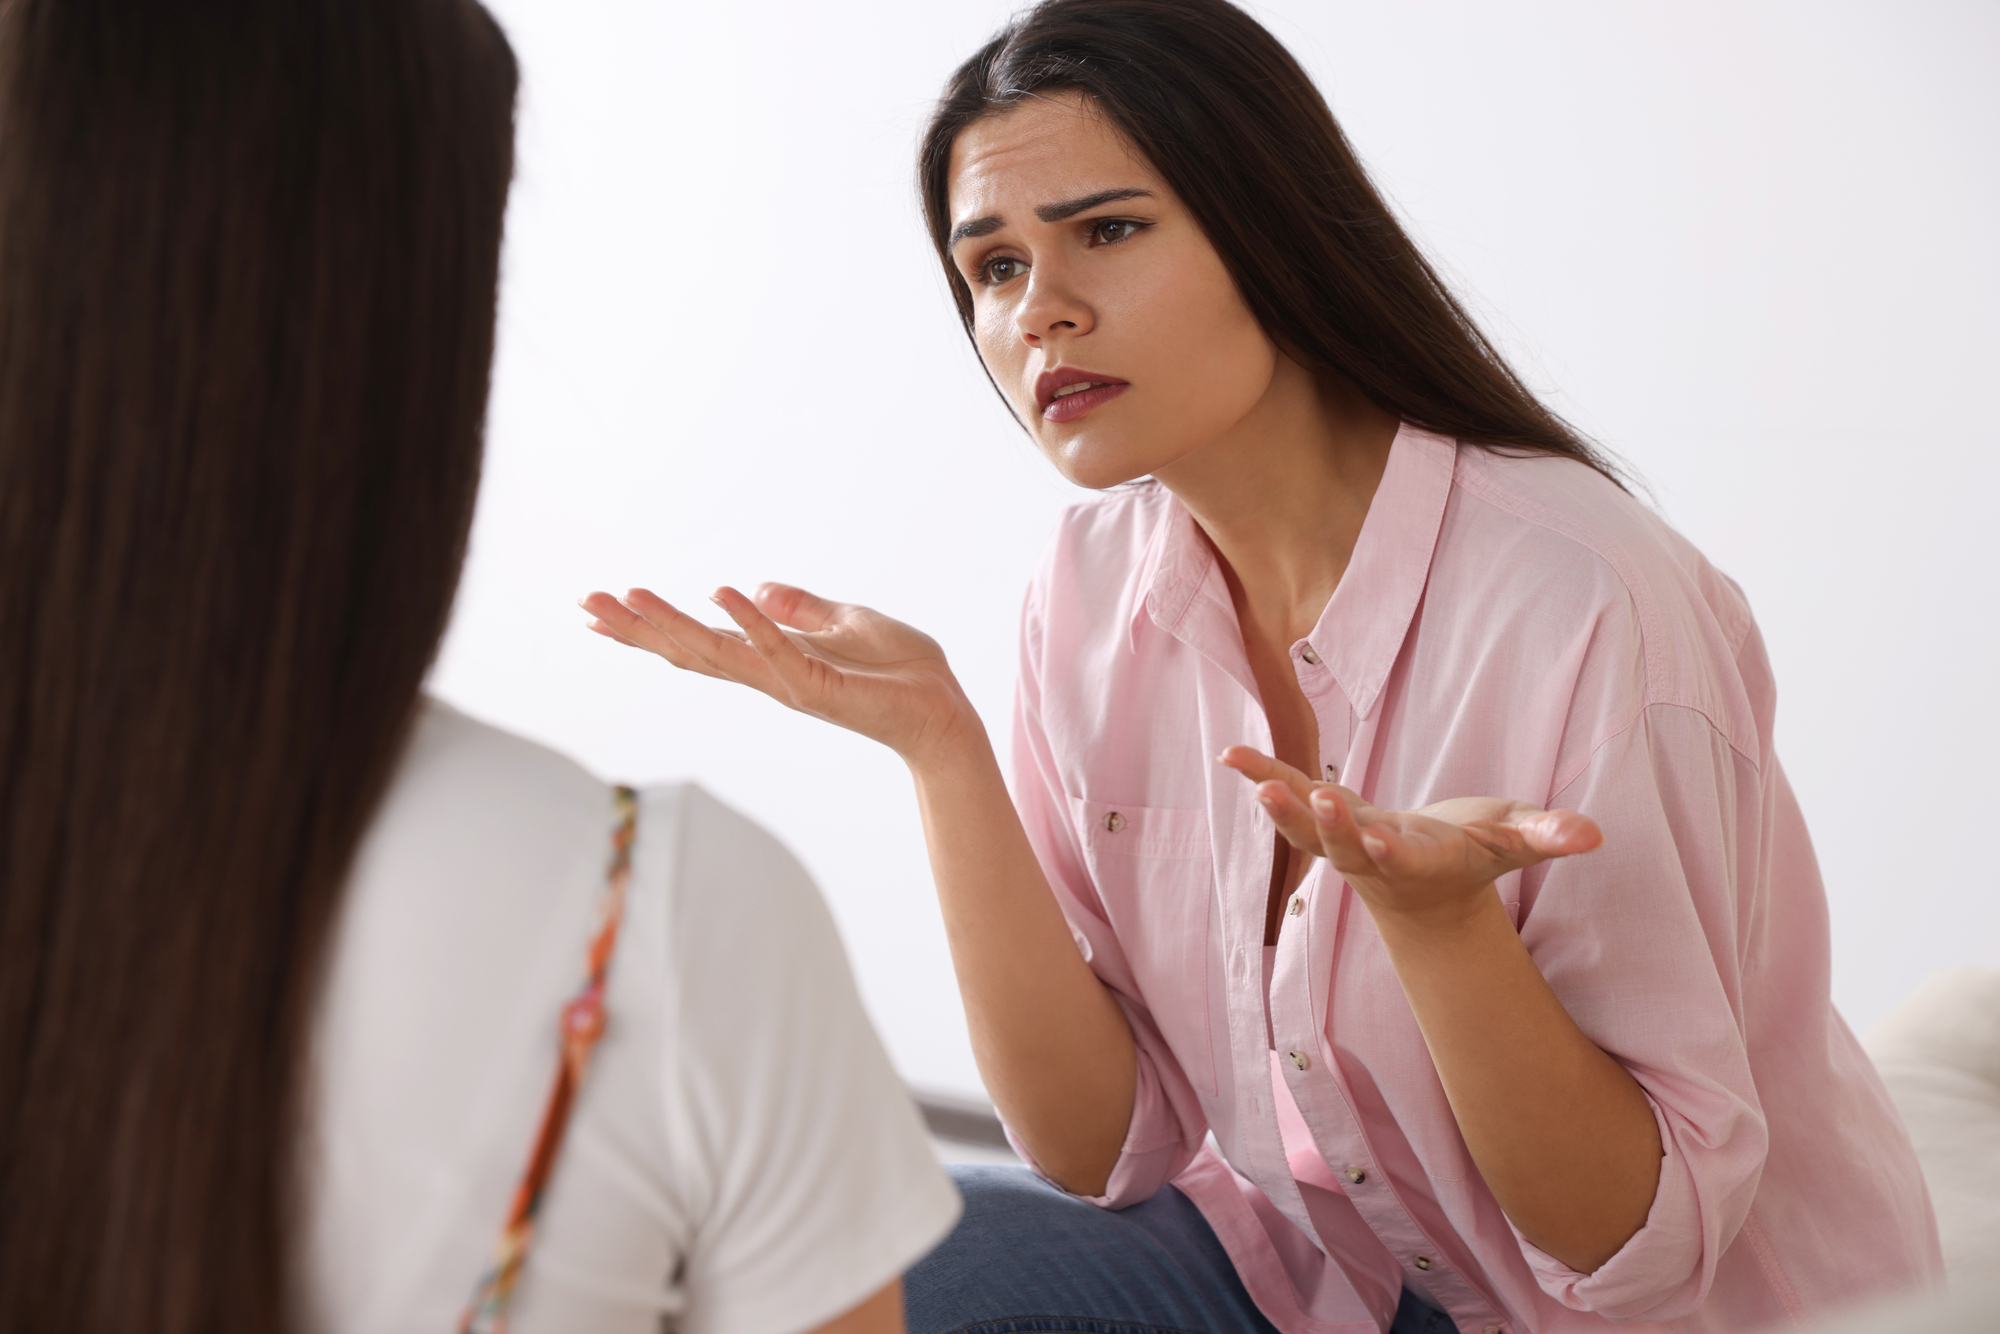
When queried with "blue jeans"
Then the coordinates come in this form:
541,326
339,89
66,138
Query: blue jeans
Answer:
1028,1258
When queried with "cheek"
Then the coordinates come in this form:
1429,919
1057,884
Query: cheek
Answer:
1209,361
1005,357
1227,357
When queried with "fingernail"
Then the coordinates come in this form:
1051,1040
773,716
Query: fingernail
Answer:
1374,845
1268,804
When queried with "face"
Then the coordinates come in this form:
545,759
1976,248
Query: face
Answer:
1099,305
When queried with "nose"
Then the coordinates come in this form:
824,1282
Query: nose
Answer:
1051,308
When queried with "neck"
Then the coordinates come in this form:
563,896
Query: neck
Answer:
1283,494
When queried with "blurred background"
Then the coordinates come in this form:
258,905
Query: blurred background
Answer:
1750,245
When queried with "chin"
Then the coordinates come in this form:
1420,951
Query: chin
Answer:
1100,464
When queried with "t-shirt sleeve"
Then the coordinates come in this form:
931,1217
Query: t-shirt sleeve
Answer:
817,1184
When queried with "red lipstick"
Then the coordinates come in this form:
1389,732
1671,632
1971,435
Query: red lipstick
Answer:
1067,392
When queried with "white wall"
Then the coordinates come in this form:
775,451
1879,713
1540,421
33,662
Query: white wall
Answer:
1750,244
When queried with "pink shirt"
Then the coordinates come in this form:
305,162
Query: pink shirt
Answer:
1507,627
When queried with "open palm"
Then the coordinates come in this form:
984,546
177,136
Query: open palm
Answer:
1412,862
847,664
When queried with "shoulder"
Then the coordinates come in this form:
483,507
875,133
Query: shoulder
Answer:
471,804
706,846
457,761
737,898
1574,505
1554,541
1111,535
1094,568
1132,510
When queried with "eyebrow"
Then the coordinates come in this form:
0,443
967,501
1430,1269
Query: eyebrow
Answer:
1056,212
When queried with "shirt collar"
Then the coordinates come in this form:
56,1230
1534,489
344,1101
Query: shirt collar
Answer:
1365,622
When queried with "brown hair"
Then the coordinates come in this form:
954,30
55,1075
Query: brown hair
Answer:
248,253
1233,123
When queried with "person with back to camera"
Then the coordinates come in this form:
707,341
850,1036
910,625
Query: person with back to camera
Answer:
1475,1063
284,947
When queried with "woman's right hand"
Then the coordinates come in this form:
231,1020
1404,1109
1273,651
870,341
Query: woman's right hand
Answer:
847,664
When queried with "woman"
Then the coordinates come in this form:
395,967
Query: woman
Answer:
283,948
1474,1063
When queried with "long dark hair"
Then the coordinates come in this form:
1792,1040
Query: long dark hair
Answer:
1231,121
248,254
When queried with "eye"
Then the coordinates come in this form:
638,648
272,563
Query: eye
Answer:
1113,230
1001,269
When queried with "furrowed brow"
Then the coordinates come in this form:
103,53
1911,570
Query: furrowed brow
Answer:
1069,208
965,231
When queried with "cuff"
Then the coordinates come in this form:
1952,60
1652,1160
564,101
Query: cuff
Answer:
1661,1271
1154,1153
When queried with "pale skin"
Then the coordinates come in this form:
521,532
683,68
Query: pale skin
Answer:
1080,257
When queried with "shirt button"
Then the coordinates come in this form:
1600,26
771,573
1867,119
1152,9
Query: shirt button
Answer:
1310,656
1298,905
1301,1061
1114,822
1333,773
1422,1262
1355,1175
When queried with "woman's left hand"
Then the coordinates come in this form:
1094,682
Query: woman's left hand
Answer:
1426,864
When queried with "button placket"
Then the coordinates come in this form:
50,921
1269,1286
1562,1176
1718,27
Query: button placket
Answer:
1384,1211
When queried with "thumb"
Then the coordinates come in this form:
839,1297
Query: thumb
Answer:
1559,833
794,607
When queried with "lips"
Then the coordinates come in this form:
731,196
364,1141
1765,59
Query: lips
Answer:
1068,392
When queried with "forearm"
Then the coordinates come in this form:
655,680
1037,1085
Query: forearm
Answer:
1562,1134
1053,1046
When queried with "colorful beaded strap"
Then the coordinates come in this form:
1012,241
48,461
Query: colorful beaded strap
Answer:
582,1026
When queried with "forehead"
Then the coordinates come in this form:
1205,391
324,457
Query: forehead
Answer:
1043,149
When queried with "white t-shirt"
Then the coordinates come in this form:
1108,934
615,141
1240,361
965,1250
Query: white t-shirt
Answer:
741,1156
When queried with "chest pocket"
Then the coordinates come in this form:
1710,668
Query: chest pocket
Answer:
1153,873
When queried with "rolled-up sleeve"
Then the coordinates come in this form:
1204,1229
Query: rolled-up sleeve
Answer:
1644,942
1167,1125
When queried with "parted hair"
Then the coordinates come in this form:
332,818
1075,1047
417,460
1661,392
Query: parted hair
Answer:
248,254
1233,123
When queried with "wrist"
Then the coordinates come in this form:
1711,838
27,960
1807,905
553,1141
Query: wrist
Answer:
949,739
1441,923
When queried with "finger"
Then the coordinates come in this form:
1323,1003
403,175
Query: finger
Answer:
614,620
658,626
770,642
601,628
1558,833
795,607
1349,843
1258,767
1255,765
1292,817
